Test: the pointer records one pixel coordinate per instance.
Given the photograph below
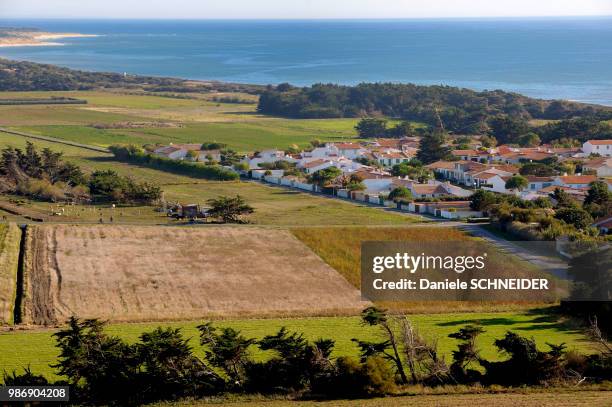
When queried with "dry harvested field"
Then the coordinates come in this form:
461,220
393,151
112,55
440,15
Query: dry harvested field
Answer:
163,273
9,257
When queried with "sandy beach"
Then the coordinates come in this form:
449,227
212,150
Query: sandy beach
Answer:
35,38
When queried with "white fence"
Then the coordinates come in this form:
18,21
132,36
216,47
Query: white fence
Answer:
429,208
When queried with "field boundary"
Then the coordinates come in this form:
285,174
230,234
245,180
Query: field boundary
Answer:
55,140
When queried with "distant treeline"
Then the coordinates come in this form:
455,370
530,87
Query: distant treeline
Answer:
43,101
30,76
459,110
136,155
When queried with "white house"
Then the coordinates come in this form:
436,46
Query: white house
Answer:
186,152
321,152
315,165
601,147
497,183
267,156
391,158
348,150
602,166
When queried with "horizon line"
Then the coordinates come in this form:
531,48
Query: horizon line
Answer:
530,17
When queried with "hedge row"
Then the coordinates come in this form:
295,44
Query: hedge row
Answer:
191,169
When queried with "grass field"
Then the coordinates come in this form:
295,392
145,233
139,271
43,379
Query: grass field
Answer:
36,348
200,120
9,256
340,247
273,205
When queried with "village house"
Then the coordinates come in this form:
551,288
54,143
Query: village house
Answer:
348,150
391,158
574,181
267,156
602,166
538,183
470,173
192,152
601,147
313,166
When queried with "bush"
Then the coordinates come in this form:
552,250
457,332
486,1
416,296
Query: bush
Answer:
352,379
41,189
577,217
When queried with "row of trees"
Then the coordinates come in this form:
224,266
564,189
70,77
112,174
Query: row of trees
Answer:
31,76
462,111
45,175
103,369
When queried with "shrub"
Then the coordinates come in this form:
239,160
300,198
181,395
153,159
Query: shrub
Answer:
352,379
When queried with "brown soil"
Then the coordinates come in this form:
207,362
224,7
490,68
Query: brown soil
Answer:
163,273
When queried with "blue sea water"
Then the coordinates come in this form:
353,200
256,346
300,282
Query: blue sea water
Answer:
569,58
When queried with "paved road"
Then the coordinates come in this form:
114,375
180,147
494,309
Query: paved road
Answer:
553,265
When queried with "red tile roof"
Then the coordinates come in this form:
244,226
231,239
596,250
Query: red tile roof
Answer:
578,179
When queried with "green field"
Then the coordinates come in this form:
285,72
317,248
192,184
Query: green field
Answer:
273,205
197,119
36,347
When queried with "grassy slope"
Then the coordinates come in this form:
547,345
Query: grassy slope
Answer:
9,256
37,347
273,205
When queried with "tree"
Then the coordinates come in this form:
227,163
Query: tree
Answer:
507,129
374,316
598,201
488,141
105,182
482,200
169,367
325,176
530,139
466,353
577,217
371,127
517,182
229,157
99,361
229,210
400,194
402,129
563,199
228,350
591,274
432,148
537,169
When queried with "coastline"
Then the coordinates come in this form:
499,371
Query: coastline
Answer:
38,39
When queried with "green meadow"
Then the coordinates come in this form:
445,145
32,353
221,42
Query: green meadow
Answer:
273,205
36,348
195,119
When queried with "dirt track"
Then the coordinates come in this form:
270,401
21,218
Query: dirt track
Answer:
161,273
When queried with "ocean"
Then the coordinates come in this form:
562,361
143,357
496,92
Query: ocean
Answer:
567,58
